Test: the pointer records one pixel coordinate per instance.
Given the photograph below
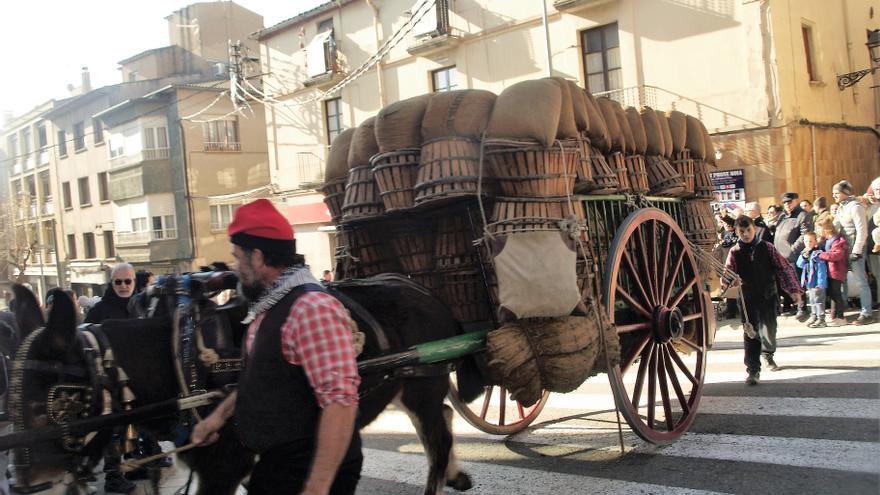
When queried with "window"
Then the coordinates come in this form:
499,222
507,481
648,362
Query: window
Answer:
809,52
62,144
89,245
117,145
85,196
444,79
109,248
42,139
26,141
79,136
103,189
602,58
164,227
139,224
65,192
71,246
221,135
321,51
333,111
97,131
221,216
155,138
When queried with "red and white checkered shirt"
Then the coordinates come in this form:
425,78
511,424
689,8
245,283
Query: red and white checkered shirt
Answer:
317,336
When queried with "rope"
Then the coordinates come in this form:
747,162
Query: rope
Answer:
133,464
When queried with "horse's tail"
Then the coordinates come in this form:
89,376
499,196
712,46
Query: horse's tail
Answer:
470,379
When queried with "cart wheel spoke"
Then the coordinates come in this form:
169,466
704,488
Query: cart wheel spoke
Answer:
684,369
670,282
647,355
635,355
643,252
502,400
652,386
692,317
673,379
664,264
520,410
689,343
633,303
681,292
487,398
634,327
664,389
486,416
647,301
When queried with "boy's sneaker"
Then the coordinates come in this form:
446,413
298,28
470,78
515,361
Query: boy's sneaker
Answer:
864,320
753,378
837,322
819,323
811,320
771,363
801,315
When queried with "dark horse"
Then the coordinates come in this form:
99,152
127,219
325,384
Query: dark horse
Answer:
393,312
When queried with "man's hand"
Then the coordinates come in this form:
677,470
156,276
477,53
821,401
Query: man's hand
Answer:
855,256
206,431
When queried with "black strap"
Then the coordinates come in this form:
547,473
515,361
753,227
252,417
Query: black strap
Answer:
54,367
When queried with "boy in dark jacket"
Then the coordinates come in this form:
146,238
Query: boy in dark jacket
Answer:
814,278
759,265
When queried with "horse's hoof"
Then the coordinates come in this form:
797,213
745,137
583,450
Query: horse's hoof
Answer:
462,482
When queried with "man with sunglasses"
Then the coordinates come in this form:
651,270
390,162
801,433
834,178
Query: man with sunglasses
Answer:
114,306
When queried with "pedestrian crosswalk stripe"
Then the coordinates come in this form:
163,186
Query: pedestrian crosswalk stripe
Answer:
792,406
500,479
789,357
843,455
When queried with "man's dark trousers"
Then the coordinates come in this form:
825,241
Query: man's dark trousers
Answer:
762,315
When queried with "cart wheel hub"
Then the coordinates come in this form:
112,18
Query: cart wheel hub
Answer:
668,324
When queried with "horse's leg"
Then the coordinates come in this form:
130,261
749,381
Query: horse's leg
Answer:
455,477
422,399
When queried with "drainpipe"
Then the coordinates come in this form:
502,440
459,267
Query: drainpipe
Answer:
546,38
380,80
189,206
813,159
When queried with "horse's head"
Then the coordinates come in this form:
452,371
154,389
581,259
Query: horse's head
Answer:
54,379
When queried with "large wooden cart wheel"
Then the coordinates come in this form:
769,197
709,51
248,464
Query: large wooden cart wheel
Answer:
494,412
653,294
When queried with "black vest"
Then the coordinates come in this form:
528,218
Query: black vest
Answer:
276,406
754,266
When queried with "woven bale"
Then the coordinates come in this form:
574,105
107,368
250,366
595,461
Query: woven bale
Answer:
556,354
606,106
667,134
567,125
579,102
598,129
694,141
655,143
398,125
708,145
678,128
527,110
640,138
363,144
626,130
337,157
463,113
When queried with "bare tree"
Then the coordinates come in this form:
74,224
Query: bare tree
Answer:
18,243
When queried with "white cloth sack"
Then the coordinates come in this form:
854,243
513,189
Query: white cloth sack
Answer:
537,274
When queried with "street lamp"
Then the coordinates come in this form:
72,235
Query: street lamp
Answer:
846,80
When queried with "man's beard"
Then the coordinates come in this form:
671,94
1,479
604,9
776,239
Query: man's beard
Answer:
252,291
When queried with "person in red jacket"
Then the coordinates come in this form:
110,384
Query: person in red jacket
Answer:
836,254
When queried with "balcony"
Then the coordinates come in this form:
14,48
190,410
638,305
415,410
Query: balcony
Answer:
431,31
48,256
309,170
30,162
16,168
230,146
141,238
48,206
575,4
44,158
145,155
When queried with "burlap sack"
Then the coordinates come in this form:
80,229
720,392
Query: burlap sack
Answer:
708,145
694,141
398,125
626,130
337,157
656,145
528,356
606,106
678,128
567,125
462,113
527,110
579,101
667,134
363,144
638,130
598,130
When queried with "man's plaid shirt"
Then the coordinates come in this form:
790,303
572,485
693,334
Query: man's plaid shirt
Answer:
784,271
317,336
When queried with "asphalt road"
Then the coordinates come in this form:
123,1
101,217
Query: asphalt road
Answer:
811,427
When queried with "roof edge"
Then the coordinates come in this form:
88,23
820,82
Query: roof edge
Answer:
302,17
